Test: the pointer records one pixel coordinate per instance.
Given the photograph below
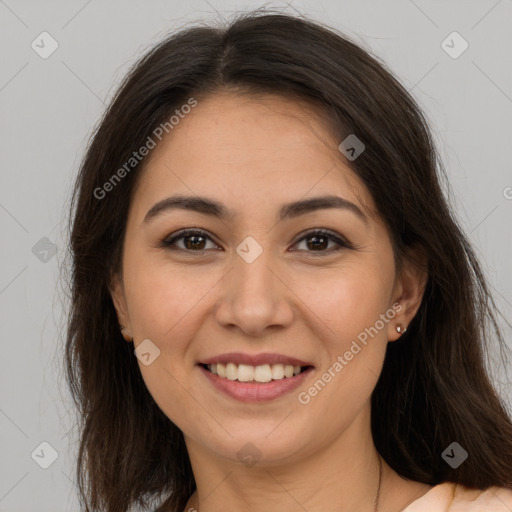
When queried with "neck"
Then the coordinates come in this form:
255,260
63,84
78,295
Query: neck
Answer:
346,470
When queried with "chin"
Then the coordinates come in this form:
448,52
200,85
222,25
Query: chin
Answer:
260,444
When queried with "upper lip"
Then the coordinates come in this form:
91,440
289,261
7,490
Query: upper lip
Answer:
255,360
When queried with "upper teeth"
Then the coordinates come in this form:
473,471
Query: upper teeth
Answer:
248,373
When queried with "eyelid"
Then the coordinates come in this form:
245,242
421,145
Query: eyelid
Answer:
169,240
332,235
341,241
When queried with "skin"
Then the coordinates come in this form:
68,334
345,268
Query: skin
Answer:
254,153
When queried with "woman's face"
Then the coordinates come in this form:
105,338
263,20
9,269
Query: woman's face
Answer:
257,288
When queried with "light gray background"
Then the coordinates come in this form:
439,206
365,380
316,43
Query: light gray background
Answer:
48,108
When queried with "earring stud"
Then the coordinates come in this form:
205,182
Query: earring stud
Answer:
400,329
125,336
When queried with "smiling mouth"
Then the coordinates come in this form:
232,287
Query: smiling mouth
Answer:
261,373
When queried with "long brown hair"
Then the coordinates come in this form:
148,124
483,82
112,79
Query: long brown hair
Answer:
433,390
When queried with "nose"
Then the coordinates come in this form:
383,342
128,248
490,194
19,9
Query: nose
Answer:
255,296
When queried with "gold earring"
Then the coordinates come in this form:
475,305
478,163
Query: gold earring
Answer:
125,335
399,329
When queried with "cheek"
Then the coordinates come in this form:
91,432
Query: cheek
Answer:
164,308
168,304
164,299
346,300
349,305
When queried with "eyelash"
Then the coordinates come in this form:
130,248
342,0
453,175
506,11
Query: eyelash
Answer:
168,243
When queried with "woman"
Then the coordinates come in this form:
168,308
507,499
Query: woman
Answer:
259,215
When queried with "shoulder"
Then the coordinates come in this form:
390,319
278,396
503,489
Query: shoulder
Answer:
451,497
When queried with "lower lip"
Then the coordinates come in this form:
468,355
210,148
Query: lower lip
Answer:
256,391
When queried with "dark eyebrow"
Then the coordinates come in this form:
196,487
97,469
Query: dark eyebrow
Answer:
214,208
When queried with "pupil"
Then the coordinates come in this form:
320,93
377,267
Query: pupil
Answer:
316,244
194,242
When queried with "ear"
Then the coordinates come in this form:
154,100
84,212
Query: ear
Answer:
117,292
409,289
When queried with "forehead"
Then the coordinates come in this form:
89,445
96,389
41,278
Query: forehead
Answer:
250,151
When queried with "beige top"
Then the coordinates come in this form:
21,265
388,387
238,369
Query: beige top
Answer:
450,497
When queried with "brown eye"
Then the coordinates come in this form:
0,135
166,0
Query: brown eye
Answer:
193,241
318,241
